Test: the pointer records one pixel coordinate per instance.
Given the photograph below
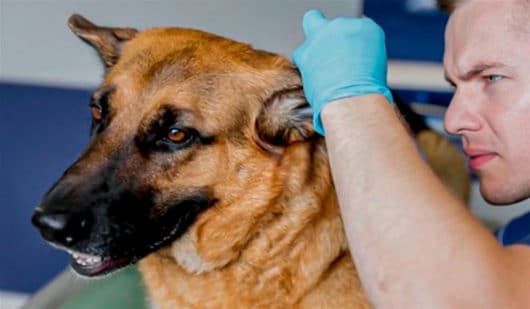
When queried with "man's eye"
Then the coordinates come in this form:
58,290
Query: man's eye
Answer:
494,78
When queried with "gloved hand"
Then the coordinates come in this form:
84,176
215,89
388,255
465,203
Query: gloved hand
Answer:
340,58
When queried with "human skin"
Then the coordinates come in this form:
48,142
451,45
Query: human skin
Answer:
487,59
414,243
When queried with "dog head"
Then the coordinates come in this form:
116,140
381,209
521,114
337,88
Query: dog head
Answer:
188,130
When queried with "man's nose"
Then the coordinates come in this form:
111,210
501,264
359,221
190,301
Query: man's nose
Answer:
461,115
65,228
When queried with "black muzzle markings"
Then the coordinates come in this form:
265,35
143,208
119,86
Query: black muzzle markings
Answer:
106,224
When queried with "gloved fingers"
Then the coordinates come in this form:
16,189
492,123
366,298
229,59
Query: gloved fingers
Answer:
375,29
313,20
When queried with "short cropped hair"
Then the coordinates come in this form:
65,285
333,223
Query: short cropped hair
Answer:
450,5
520,15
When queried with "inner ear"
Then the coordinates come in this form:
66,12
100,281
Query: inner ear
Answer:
107,41
284,119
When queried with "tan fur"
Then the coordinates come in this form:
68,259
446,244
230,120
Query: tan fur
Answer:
297,256
275,238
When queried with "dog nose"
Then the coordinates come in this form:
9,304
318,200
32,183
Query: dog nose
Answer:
65,228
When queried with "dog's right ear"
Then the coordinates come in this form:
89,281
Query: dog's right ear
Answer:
107,41
284,119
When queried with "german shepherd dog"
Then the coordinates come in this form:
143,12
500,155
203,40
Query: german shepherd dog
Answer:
203,165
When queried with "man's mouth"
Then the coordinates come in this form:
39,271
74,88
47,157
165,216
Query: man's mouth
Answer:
476,161
92,265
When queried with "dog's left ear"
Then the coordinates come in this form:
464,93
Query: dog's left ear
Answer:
107,41
284,119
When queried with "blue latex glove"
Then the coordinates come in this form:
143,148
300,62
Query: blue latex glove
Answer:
340,58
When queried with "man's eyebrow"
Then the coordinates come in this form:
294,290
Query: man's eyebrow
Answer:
474,70
479,67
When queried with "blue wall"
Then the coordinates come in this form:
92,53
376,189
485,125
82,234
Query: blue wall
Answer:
42,130
409,36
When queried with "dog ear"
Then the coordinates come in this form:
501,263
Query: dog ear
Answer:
285,118
107,41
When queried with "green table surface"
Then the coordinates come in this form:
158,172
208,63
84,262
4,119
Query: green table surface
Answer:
123,290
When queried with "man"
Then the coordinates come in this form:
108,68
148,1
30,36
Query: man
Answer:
414,243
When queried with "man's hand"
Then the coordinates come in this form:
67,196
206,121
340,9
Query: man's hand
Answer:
340,58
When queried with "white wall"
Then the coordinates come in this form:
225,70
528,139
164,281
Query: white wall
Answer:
37,46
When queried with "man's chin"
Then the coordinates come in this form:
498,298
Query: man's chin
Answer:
499,197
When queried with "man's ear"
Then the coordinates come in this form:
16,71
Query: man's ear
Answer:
107,41
284,119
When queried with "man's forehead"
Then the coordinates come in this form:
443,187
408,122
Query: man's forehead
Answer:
478,34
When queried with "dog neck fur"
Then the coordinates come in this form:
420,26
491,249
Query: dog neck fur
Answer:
277,255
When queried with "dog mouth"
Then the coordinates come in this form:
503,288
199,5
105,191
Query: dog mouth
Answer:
92,265
128,236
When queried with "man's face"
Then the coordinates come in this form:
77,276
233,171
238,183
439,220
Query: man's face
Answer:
487,58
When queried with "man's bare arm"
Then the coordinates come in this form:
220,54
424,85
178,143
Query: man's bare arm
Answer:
414,243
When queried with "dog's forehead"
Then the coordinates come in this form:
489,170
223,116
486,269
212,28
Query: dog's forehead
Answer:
195,71
162,54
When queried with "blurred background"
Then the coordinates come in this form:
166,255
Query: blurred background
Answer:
47,74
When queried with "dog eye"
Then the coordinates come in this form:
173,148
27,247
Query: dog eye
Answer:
97,112
178,136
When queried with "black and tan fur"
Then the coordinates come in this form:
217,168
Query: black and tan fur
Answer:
204,166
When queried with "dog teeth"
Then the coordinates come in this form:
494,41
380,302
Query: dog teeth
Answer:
85,259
